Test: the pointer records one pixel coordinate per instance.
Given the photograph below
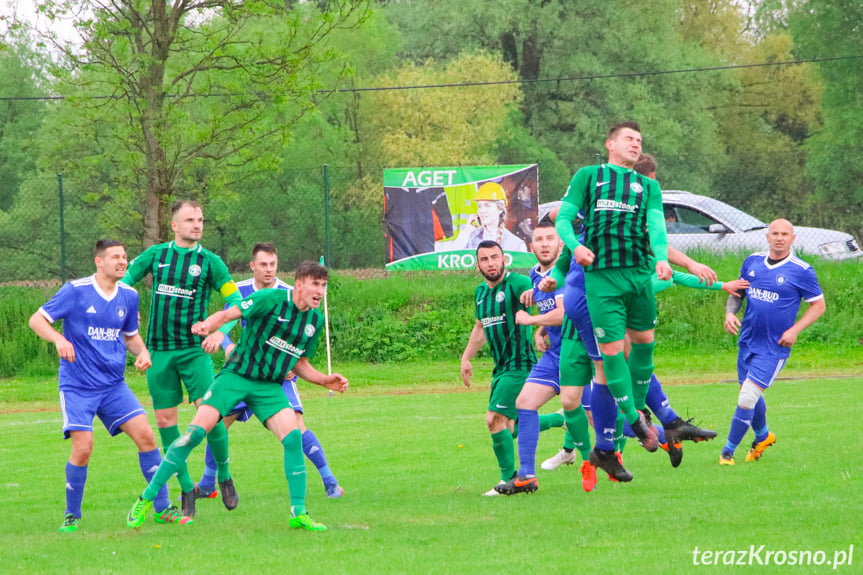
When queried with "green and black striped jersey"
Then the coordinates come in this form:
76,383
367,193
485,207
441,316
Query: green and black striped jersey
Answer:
568,329
614,201
276,335
183,280
511,344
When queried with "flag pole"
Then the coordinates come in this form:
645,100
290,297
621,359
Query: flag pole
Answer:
327,331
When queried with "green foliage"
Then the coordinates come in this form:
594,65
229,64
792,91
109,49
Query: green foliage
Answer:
19,119
428,316
835,163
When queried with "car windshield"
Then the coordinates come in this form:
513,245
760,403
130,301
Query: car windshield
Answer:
738,219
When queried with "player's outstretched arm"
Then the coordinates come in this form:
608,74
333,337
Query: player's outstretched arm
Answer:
476,341
333,382
217,320
701,271
552,318
815,310
39,324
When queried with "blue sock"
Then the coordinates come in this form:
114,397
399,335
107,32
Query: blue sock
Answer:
604,415
528,422
759,420
313,450
76,477
739,426
208,479
627,429
661,431
150,461
657,401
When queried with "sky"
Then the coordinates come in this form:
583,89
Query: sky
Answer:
25,10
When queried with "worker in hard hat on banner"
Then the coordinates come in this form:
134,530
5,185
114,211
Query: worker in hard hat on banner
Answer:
491,217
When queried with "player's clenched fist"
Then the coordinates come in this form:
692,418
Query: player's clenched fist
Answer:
583,256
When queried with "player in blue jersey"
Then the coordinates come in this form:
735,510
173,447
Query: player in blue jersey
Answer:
545,379
264,266
100,322
778,280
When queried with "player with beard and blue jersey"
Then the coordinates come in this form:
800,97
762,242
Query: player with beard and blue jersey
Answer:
778,280
100,322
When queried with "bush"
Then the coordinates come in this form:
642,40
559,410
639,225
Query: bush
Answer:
429,316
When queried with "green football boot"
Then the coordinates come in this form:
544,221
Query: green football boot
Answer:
138,512
70,523
303,521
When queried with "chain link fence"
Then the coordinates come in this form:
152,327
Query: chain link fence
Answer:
337,212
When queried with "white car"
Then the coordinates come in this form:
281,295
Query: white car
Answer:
698,222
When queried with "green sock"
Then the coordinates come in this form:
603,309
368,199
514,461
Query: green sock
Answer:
295,471
169,435
641,370
577,426
505,453
550,420
620,384
175,456
568,441
217,439
619,437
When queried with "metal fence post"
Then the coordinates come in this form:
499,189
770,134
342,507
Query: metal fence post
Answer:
329,256
62,230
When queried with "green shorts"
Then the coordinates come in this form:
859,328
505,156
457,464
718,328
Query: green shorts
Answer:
620,298
576,368
504,391
172,369
264,398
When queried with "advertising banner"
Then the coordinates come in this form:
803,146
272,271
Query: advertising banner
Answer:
434,218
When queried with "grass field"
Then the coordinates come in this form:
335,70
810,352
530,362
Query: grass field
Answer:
409,445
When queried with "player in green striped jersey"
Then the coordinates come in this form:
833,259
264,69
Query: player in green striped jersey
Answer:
623,223
184,277
281,334
497,301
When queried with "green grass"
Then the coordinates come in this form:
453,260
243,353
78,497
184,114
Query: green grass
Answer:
413,464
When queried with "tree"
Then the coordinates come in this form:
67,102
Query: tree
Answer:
550,43
823,29
178,91
20,116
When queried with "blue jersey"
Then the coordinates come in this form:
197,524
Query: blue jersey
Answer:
247,288
774,296
94,323
546,302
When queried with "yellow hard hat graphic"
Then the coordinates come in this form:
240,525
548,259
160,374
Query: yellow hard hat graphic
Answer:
490,191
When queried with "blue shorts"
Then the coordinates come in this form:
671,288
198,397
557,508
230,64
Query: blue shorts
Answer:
113,405
761,370
244,413
575,306
546,372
